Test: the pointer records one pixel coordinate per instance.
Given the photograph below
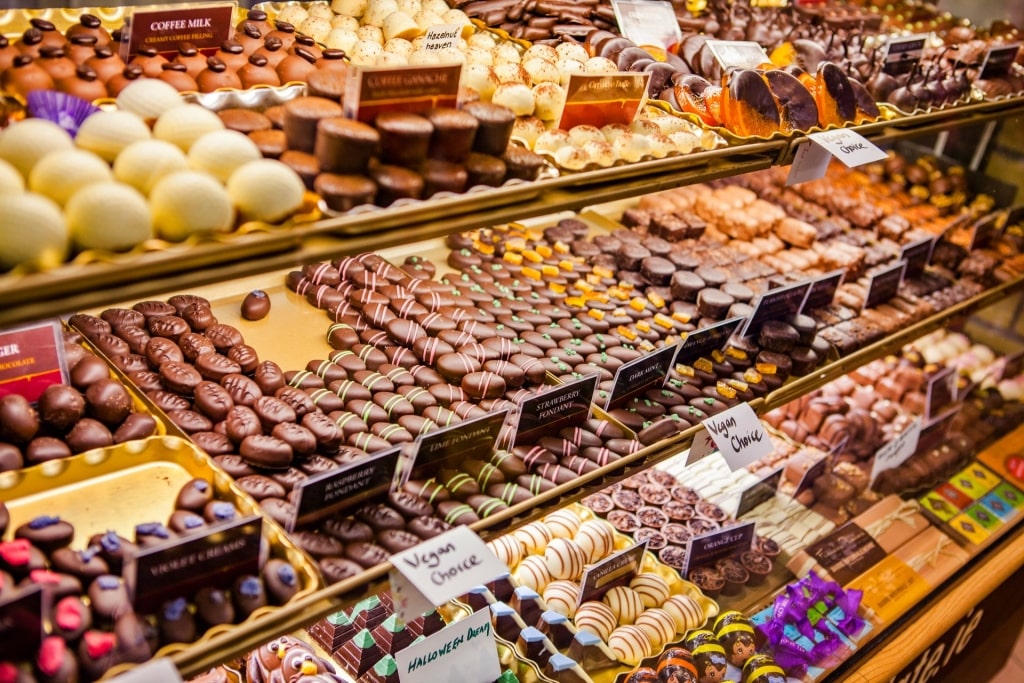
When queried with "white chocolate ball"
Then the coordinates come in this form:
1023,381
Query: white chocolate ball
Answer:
23,144
540,51
399,46
562,596
292,13
580,135
111,216
410,7
266,190
528,129
373,34
652,589
392,59
482,40
350,8
316,28
597,538
659,626
511,72
401,25
552,141
507,549
184,125
550,99
533,573
435,6
630,644
320,10
366,53
342,21
516,96
33,232
11,181
188,203
420,57
597,618
341,39
599,152
568,67
542,71
62,174
479,55
148,98
631,147
686,611
106,133
377,11
534,536
141,164
481,79
599,65
506,53
222,152
563,523
571,50
625,604
571,158
564,559
425,19
457,17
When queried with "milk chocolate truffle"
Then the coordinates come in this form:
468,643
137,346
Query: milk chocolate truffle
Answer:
302,117
344,192
396,182
217,75
404,138
454,132
213,607
19,421
345,146
24,76
256,305
258,71
46,533
108,401
484,169
495,127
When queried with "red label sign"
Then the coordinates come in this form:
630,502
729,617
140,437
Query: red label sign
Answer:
31,359
597,100
205,26
372,90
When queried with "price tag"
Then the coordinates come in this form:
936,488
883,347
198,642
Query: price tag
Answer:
760,492
182,566
371,90
468,440
566,405
160,670
809,163
636,376
848,146
648,22
707,548
740,54
615,570
21,622
206,26
31,359
895,453
884,285
903,54
599,100
462,652
917,255
813,472
776,304
346,487
443,567
941,392
823,290
442,37
739,436
703,341
998,60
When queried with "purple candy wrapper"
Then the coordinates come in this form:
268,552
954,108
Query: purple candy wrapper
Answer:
67,111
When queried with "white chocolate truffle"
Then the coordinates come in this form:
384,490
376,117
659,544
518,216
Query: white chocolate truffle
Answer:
686,611
599,152
481,79
661,145
221,152
377,11
552,141
399,46
562,596
599,65
266,190
23,144
11,181
568,67
373,34
631,147
479,55
515,96
435,6
563,523
106,133
184,125
316,28
542,71
533,573
684,141
392,59
644,126
709,140
350,8
507,549
652,589
141,164
451,55
410,7
550,99
659,626
528,129
457,17
319,10
344,22
597,618
61,174
630,644
564,559
506,53
510,72
32,231
580,135
570,50
366,53
189,203
148,98
482,40
400,25
292,13
541,51
612,131
571,158
534,536
420,57
425,19
341,39
111,216
624,603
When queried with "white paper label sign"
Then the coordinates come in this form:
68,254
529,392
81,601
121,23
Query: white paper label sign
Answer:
809,163
894,453
648,22
701,447
740,54
442,37
409,602
462,652
739,435
160,670
849,147
448,565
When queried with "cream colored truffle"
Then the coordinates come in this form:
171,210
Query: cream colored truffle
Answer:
111,216
457,17
550,99
400,25
540,51
148,98
481,79
482,40
424,57
599,65
189,203
551,141
106,133
392,59
33,232
266,190
515,96
568,67
320,10
374,34
11,181
23,144
316,28
508,72
425,19
221,152
479,55
377,11
600,153
341,39
344,22
350,8
435,6
661,145
399,46
684,141
580,135
569,50
631,147
542,70
141,164
410,7
61,174
506,53
571,158
292,13
366,53
184,125
528,129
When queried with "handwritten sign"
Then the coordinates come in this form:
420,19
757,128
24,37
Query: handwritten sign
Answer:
702,447
468,440
371,90
602,99
462,652
776,304
848,146
348,486
810,162
648,22
998,60
896,452
615,570
205,26
917,255
760,492
903,54
707,548
941,392
160,670
566,405
639,375
739,436
21,622
885,284
443,567
182,566
705,340
442,37
739,54
31,359
823,290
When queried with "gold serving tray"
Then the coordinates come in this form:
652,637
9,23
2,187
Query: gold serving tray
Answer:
118,487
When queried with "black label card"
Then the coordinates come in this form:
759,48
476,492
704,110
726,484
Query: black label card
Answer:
777,304
823,290
708,548
917,255
934,433
983,230
813,472
998,60
941,392
566,405
346,487
21,622
903,54
471,439
180,567
884,285
847,552
702,342
615,570
637,376
759,492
